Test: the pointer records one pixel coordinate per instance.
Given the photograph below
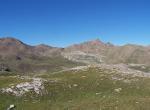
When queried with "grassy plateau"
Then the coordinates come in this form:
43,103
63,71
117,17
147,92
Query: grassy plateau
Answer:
87,89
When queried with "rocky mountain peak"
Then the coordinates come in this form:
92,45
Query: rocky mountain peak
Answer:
96,42
9,41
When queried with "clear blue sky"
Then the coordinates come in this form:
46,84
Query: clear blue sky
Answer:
64,22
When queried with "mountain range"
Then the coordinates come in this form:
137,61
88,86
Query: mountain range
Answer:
18,57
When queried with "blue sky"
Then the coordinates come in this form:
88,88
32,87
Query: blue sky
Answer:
65,22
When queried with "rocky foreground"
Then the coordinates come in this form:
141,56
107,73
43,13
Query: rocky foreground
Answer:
36,84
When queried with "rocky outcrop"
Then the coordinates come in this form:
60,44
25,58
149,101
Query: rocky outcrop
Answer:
36,85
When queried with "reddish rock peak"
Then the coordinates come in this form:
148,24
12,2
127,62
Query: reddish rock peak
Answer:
96,42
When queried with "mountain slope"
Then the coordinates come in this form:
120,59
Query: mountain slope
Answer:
17,56
87,52
99,52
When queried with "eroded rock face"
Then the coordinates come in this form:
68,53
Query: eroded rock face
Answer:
79,56
37,86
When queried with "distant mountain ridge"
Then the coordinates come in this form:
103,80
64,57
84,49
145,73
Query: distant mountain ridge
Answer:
16,47
21,57
108,53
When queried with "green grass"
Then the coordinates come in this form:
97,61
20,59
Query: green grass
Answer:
7,81
33,65
92,89
141,68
